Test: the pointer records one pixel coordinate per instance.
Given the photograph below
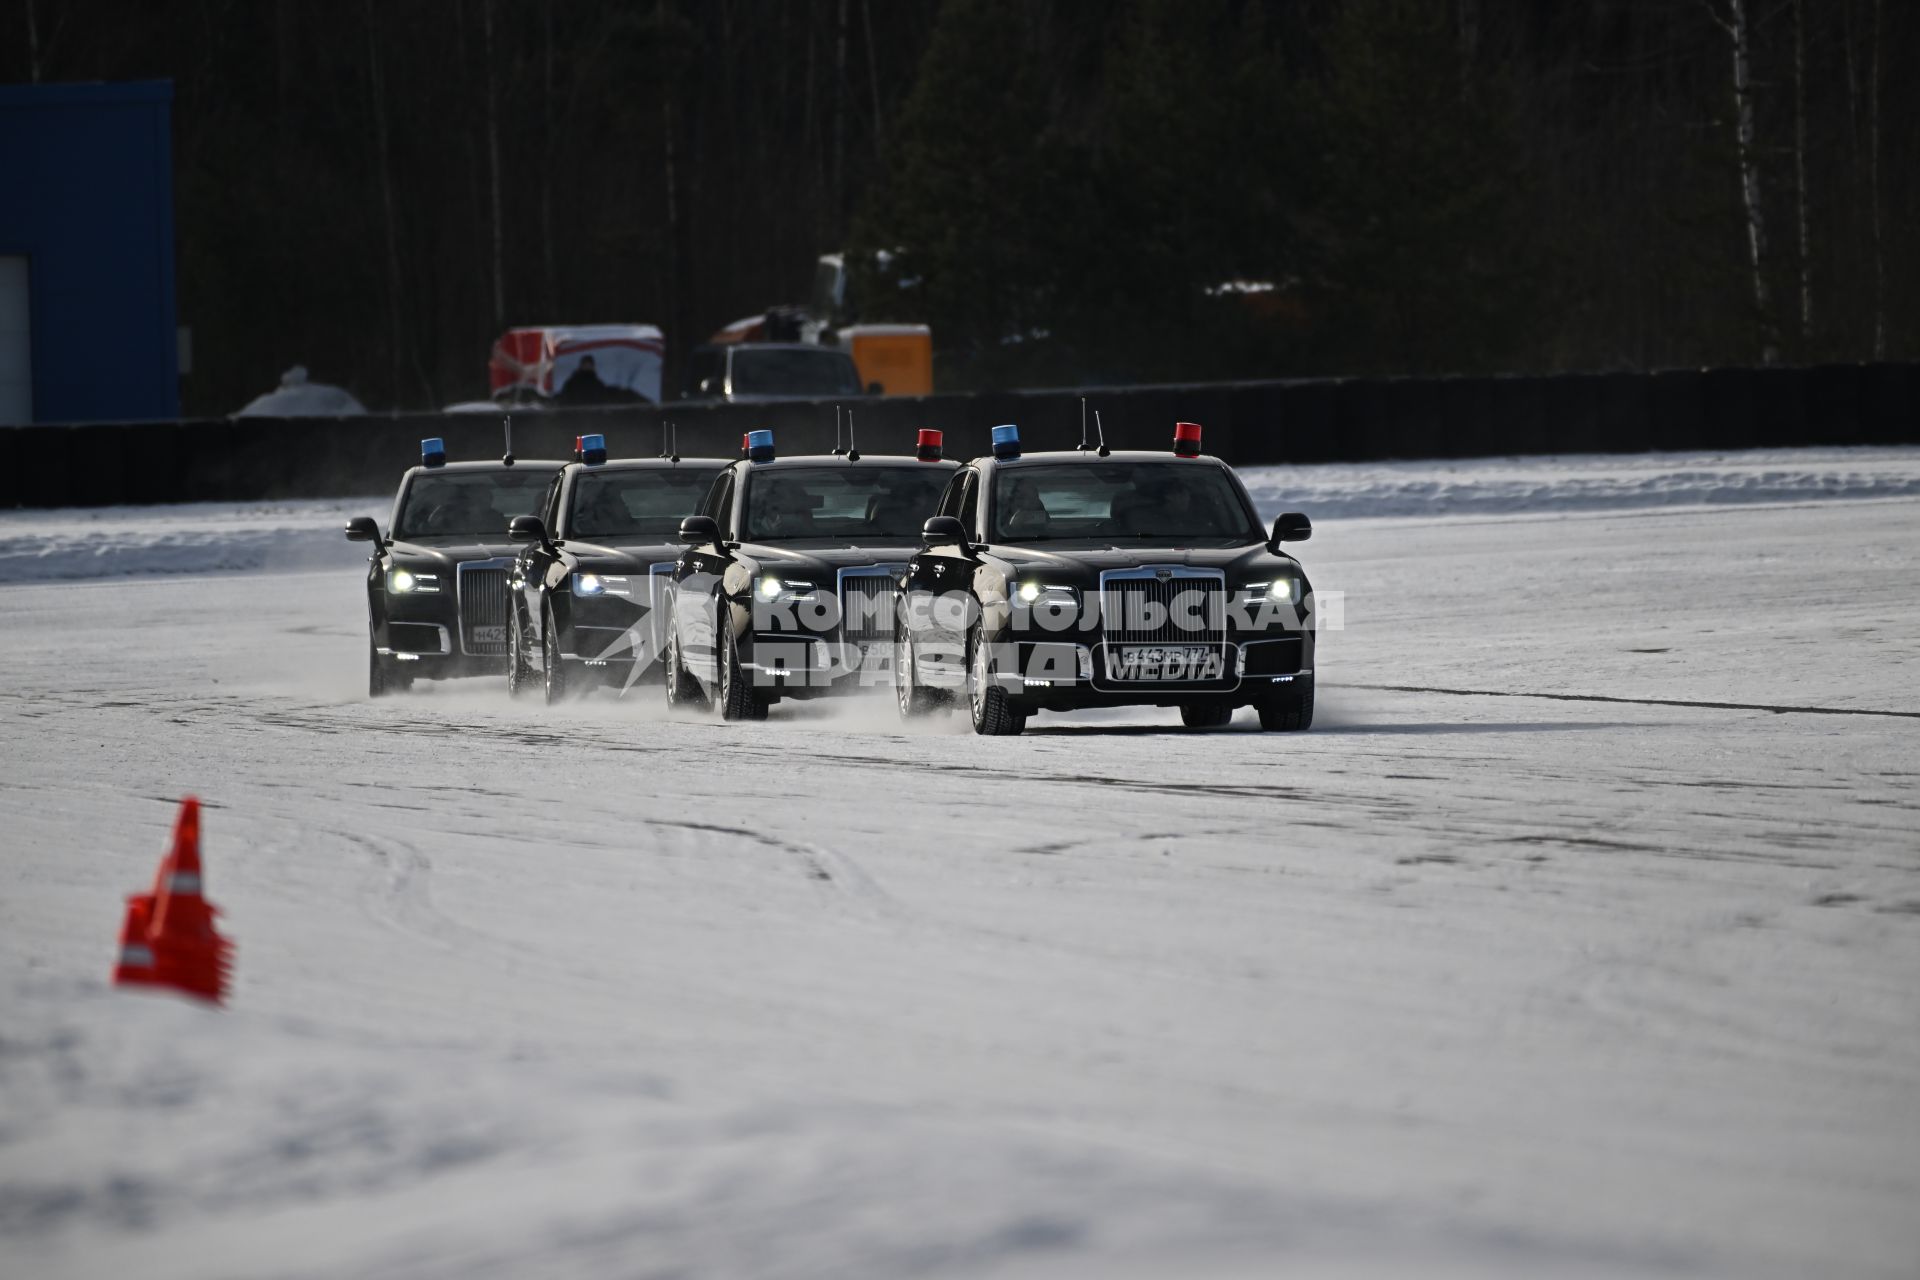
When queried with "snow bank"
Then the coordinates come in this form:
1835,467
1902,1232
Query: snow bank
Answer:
1584,482
201,537
37,546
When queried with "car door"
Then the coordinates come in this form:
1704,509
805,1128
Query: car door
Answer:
938,576
696,584
534,563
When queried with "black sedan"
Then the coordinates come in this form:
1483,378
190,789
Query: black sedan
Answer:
787,584
437,586
1060,581
588,583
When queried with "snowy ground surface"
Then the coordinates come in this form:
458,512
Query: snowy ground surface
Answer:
1478,978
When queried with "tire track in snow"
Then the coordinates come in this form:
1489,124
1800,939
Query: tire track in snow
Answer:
1637,702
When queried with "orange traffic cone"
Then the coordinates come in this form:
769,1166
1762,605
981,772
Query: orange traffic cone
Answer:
181,947
135,965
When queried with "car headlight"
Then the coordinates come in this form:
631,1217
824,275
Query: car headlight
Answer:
1279,591
776,588
1044,593
597,584
404,581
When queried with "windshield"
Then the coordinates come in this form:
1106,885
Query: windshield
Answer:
1120,501
626,504
789,372
860,503
469,503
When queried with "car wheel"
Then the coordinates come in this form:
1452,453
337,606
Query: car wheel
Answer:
994,714
377,686
914,699
383,678
1205,715
1291,710
737,700
519,669
553,680
682,689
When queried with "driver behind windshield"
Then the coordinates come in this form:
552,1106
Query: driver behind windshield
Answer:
475,504
863,504
1138,501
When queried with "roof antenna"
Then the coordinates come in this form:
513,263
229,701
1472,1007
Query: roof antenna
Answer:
674,456
1083,424
1097,426
837,450
506,422
853,454
665,427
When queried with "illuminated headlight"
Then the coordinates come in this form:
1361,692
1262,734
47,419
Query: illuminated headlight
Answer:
1279,591
1046,594
772,588
402,581
594,584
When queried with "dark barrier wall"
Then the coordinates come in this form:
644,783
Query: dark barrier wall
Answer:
86,196
1246,423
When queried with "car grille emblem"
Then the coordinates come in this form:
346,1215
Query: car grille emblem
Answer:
1165,575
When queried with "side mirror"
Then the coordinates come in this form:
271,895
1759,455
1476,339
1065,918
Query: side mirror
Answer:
1292,526
363,529
942,529
698,530
527,529
876,389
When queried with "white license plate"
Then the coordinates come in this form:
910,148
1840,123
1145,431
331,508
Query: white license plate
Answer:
489,635
1165,662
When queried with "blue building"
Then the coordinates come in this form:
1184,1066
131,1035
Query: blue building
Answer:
87,323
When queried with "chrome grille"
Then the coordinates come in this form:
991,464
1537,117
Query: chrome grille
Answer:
483,607
867,603
1157,606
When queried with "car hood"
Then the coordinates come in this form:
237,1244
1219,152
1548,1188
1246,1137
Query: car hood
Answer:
452,551
630,555
1082,565
824,561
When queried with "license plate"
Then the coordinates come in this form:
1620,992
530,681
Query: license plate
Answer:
489,635
1165,662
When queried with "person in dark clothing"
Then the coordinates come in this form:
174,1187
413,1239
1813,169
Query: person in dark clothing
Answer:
585,387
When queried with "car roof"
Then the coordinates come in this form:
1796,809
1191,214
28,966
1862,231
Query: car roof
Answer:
1092,457
519,464
648,464
840,460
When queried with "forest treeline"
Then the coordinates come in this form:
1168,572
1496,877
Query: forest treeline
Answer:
1071,190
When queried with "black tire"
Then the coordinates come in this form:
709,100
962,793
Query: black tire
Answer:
383,678
519,670
736,700
913,699
553,678
994,714
1291,710
682,689
1205,715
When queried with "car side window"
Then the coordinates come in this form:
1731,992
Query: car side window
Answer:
949,504
720,504
970,505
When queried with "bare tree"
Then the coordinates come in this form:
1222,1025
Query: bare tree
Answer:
1873,182
1739,37
549,293
386,201
493,167
33,44
1800,170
